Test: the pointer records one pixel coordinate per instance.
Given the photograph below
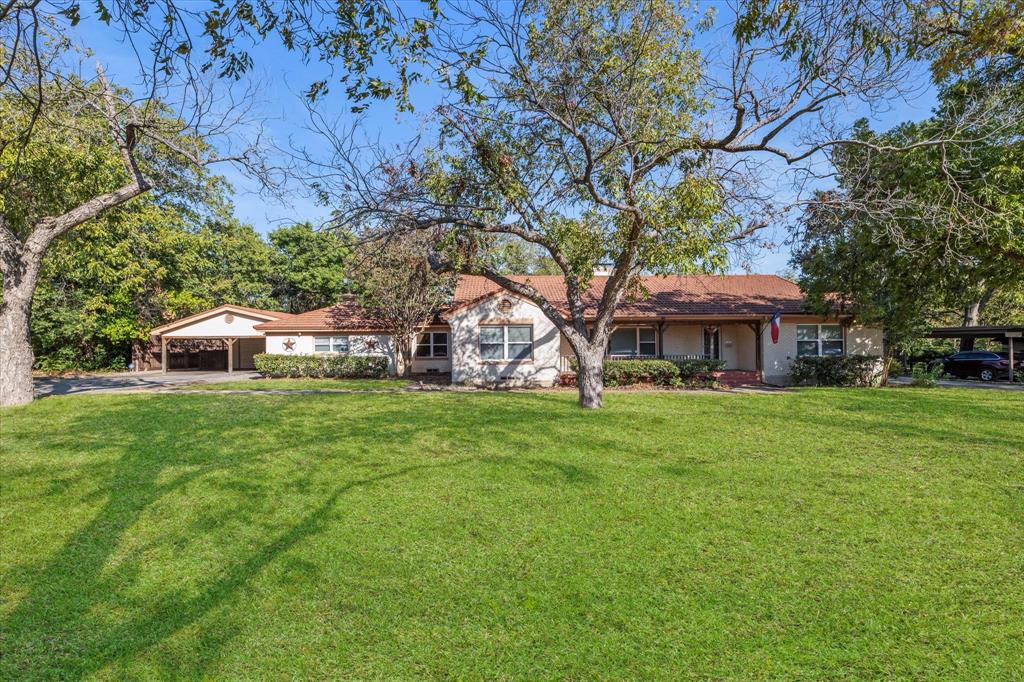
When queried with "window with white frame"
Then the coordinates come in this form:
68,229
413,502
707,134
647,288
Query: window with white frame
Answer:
330,344
432,345
506,342
633,341
819,340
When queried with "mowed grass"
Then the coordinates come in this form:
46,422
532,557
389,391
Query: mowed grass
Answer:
302,385
819,534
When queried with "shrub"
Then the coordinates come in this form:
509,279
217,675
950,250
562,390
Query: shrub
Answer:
924,375
626,372
321,366
698,370
841,370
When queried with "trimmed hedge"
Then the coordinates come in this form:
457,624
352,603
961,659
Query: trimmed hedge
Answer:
626,372
322,366
841,370
698,369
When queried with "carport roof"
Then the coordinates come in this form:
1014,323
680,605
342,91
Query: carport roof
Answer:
988,332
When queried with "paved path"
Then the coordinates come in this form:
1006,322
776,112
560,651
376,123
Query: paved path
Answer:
965,383
135,381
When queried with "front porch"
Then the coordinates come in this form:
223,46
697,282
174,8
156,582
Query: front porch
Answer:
737,343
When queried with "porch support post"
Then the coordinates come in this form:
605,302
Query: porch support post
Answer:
756,327
231,357
1010,340
163,354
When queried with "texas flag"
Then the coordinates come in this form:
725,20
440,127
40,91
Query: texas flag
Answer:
776,319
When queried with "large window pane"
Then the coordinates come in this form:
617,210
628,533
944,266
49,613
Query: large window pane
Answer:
520,334
322,344
831,332
806,332
492,351
623,342
831,347
520,351
648,346
440,349
423,350
492,334
340,344
804,348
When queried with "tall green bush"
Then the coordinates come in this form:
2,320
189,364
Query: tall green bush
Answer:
626,372
698,369
841,370
322,366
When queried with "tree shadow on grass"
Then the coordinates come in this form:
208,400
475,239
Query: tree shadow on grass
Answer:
77,618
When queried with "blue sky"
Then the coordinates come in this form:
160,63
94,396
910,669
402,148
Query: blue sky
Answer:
282,77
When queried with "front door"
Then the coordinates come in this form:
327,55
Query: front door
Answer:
713,343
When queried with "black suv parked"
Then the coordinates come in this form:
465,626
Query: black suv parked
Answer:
986,365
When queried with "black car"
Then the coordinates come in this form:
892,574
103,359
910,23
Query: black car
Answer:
986,365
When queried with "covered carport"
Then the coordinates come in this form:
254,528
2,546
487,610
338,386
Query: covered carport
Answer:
1008,335
219,339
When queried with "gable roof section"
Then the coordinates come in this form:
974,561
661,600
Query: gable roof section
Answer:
678,295
345,315
259,313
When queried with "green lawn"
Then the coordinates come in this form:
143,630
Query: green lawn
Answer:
810,535
302,384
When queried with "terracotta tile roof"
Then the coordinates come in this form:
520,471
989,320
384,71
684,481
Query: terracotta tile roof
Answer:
687,295
682,295
345,315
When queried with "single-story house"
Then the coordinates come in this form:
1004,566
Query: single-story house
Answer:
487,335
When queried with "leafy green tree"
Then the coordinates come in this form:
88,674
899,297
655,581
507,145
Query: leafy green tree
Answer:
925,237
104,286
592,131
71,151
309,267
238,265
399,287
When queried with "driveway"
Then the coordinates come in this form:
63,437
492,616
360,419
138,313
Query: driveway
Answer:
134,381
965,383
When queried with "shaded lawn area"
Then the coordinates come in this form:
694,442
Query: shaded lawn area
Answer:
816,534
301,385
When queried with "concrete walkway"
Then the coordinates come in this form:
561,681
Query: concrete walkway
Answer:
964,383
131,381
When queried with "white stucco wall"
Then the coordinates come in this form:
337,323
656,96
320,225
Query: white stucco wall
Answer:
358,344
778,357
218,326
440,365
468,367
683,339
864,341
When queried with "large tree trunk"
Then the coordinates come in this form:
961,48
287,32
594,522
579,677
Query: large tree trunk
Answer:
972,317
404,348
590,377
16,356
